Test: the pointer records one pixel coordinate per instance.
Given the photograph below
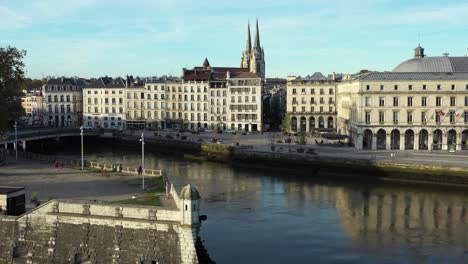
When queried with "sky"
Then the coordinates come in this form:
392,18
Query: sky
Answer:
93,38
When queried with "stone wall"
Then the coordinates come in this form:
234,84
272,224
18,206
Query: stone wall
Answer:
64,231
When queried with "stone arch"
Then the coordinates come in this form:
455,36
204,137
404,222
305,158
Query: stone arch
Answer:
321,122
367,139
311,123
437,140
423,139
303,124
381,139
451,138
294,123
464,140
330,122
409,139
395,139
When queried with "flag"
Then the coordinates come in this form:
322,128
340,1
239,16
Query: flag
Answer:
441,113
457,115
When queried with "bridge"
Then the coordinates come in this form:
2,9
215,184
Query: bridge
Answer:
24,135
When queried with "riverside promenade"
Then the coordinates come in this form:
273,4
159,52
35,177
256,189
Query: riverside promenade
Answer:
67,182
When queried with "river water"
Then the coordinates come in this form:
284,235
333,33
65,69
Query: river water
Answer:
272,217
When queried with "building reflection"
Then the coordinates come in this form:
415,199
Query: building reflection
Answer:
390,215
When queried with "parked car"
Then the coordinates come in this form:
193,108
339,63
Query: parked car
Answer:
300,150
310,151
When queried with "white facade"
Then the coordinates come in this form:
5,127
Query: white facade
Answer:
311,104
405,111
63,102
104,104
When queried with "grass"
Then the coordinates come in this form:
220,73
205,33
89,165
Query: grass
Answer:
149,198
154,187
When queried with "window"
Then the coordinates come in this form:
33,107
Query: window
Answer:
395,116
438,101
303,91
367,101
465,116
396,87
452,117
395,101
321,91
437,116
452,101
321,109
424,87
423,117
381,117
381,87
330,91
294,92
381,101
312,91
410,87
466,100
409,117
368,117
453,86
424,101
367,87
438,87
410,101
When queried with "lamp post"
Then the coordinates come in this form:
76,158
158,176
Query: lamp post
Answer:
143,160
82,157
16,139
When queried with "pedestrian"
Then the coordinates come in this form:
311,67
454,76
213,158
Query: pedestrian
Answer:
61,164
140,170
56,164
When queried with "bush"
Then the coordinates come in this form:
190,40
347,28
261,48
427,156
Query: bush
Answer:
35,198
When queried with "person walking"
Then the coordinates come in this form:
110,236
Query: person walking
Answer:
140,170
56,164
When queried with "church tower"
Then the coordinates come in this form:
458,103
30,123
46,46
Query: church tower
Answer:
257,58
248,49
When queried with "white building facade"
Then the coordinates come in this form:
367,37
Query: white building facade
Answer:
421,105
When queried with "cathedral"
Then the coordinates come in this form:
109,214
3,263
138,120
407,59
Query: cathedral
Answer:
253,58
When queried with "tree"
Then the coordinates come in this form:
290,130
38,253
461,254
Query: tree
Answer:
286,124
11,82
301,138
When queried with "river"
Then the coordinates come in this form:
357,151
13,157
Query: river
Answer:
273,217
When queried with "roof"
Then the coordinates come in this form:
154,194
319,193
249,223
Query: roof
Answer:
190,192
10,189
244,75
407,76
434,64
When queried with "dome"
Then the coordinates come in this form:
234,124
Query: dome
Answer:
434,64
421,63
189,192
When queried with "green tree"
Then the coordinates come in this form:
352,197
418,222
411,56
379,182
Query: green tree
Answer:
11,82
286,124
301,138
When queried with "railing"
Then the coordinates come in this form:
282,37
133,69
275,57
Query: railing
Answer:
91,164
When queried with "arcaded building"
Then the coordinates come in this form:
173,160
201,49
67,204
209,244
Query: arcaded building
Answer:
311,103
421,105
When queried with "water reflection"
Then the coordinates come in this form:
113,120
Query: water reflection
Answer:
256,216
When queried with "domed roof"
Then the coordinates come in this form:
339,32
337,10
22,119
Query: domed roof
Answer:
434,64
190,192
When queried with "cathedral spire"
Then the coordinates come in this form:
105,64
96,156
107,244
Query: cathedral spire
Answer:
257,37
248,45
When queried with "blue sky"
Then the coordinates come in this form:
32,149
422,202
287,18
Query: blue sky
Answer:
92,38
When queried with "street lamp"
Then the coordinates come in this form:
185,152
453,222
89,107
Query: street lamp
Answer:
143,160
16,139
82,157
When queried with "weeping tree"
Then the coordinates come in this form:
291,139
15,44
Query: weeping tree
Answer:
11,81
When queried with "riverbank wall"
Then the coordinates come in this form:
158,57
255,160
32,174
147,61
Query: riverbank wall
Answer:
313,165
